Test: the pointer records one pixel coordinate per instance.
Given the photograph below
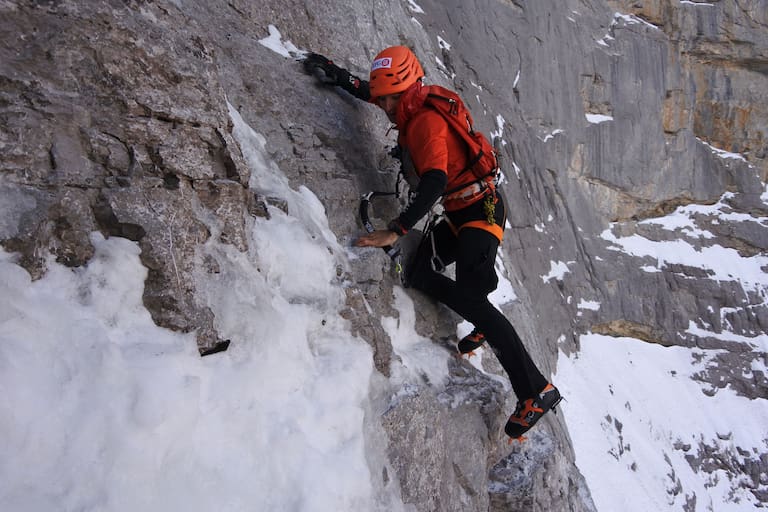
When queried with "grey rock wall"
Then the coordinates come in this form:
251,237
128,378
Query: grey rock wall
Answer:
114,118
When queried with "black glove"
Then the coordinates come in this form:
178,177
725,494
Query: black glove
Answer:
323,69
329,73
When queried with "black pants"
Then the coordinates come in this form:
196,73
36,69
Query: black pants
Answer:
474,252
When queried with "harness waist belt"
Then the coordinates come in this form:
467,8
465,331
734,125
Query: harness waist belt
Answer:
493,229
468,193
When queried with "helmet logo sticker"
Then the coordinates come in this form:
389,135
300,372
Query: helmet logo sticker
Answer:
383,63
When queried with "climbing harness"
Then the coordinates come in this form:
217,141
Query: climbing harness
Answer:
485,186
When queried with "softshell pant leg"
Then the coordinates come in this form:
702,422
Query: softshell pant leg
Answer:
474,252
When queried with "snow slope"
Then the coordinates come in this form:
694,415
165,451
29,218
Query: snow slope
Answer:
634,411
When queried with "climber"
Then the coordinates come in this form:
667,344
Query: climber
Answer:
469,233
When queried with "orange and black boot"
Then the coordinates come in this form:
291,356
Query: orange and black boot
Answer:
471,342
529,411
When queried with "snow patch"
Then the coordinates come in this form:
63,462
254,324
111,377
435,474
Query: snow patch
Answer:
422,359
684,217
589,304
631,19
758,343
626,19
558,269
551,135
722,153
720,263
414,7
275,43
598,118
504,292
444,69
701,4
499,131
517,169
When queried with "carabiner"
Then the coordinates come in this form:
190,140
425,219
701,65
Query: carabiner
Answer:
435,261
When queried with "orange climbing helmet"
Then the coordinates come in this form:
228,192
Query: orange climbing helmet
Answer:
394,70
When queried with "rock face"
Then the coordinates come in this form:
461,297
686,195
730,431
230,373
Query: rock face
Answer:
115,118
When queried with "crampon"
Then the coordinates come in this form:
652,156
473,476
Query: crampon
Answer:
528,412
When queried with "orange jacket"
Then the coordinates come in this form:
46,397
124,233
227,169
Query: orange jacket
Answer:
432,144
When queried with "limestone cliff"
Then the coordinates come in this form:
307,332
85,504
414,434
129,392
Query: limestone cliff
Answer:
115,118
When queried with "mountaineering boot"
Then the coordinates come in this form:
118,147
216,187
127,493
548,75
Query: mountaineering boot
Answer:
529,411
471,342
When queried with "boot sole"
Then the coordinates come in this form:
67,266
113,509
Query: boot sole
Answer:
521,437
